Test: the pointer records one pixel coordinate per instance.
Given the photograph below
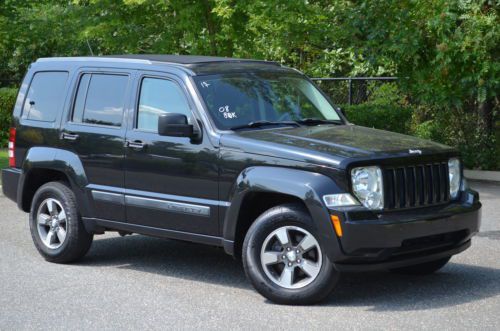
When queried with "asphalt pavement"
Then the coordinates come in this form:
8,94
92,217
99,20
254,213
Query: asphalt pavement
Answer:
137,282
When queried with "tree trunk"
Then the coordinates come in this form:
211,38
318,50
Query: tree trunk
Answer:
210,27
486,115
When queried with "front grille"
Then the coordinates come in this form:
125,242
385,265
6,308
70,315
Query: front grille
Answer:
416,185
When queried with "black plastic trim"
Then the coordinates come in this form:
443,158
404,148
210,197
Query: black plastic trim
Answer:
10,182
152,231
391,264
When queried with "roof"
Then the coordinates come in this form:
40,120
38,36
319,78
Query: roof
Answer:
195,64
186,59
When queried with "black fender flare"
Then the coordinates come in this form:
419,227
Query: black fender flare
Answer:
59,160
307,186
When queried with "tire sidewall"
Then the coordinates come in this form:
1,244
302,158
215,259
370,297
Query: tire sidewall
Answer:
268,222
53,190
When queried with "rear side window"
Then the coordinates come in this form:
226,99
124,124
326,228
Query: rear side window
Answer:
159,96
100,99
45,96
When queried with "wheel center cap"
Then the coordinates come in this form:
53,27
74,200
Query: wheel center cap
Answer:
54,223
291,256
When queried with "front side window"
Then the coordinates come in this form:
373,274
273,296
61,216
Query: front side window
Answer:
100,99
238,99
45,96
157,97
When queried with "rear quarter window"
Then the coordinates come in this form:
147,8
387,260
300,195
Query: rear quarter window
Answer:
45,96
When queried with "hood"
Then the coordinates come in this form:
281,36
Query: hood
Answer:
330,144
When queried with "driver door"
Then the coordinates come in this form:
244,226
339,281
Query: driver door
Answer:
170,182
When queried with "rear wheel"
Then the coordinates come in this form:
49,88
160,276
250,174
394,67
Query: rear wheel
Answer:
284,260
423,268
55,224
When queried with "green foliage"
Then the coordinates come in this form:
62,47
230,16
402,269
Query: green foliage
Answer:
479,148
385,109
430,130
7,101
384,117
4,160
445,52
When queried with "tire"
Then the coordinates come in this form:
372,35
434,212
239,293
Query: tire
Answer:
271,279
54,209
423,268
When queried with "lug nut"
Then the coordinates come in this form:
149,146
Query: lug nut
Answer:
298,261
297,251
288,249
283,257
289,264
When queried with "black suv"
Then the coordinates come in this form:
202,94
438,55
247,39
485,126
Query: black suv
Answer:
246,155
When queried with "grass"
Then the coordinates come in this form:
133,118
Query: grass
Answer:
4,160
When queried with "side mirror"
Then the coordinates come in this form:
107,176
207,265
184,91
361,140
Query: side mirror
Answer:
174,125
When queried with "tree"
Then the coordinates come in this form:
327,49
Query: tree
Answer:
445,51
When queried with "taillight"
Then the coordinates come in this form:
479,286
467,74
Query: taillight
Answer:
12,146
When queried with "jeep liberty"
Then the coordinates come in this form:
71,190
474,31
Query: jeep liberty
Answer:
245,155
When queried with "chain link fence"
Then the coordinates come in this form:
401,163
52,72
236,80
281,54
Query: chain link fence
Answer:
8,83
352,90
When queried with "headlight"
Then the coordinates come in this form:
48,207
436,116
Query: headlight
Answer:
340,200
367,186
454,176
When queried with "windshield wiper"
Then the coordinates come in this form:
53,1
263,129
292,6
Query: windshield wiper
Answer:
258,124
316,121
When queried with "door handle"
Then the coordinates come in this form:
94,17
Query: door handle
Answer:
137,144
69,136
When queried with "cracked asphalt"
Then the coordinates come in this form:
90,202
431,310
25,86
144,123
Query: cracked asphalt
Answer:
139,282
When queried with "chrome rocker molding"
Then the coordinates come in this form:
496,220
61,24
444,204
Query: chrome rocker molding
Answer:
177,207
115,198
162,201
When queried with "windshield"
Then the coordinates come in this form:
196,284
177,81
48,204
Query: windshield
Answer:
235,100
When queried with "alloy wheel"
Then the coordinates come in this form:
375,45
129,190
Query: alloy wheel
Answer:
291,257
51,223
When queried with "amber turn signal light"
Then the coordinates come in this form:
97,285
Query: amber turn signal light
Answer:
336,225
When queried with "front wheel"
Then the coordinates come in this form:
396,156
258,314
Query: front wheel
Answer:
284,260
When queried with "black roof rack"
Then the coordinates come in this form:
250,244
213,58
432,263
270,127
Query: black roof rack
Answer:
188,59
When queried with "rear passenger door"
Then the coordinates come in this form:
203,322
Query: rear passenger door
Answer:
95,131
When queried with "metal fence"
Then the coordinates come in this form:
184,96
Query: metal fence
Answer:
8,83
352,90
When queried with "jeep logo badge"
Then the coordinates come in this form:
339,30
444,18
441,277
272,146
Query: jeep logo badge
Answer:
414,151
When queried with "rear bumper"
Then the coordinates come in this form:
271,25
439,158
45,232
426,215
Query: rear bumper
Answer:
10,182
405,238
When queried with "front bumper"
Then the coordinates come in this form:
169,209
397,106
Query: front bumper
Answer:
395,239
